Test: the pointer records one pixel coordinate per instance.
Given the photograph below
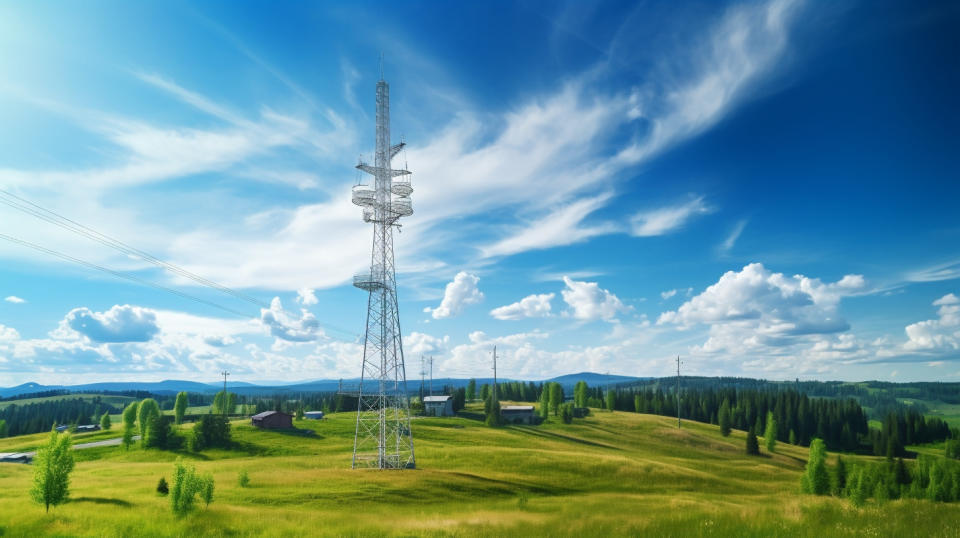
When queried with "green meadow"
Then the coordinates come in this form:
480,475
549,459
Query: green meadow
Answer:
612,473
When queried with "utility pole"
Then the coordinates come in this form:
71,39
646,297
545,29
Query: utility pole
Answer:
431,375
423,377
678,391
225,374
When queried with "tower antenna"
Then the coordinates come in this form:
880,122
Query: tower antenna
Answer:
383,439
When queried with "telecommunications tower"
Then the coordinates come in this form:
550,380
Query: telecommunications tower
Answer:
383,439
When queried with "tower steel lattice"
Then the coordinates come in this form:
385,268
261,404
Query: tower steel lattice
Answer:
383,439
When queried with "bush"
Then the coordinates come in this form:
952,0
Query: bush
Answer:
211,431
243,479
186,485
162,487
566,413
160,433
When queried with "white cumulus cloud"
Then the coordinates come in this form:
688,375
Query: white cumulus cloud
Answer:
462,291
306,297
122,323
531,306
284,326
588,301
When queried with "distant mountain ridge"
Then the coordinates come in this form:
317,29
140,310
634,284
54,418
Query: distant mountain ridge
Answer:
170,386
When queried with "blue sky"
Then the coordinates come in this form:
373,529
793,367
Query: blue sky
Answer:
768,189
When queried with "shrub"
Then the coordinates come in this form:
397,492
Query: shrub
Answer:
566,413
243,479
211,431
162,487
186,485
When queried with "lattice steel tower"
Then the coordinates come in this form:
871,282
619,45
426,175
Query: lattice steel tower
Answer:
383,438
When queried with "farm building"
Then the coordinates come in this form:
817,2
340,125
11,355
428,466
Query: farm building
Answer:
272,420
517,414
315,415
438,406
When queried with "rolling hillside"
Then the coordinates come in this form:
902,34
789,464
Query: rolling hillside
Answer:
609,474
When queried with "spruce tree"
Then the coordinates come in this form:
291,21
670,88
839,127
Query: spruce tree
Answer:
471,390
770,435
105,423
611,400
753,447
816,479
724,418
839,478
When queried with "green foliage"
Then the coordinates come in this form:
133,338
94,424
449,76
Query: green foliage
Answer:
127,440
770,435
724,418
160,433
566,413
105,423
299,413
51,471
816,478
857,489
484,392
753,447
838,478
580,394
611,400
951,448
148,408
556,398
186,486
206,489
3,428
243,479
180,407
544,408
471,393
211,431
492,411
130,415
793,437
162,487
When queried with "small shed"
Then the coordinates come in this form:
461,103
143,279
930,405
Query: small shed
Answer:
517,414
272,420
314,415
438,406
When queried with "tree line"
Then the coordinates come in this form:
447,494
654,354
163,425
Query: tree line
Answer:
36,417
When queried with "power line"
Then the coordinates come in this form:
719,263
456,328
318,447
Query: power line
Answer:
40,212
118,274
52,217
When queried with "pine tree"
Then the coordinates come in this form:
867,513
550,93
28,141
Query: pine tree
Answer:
471,390
611,400
105,423
816,479
180,406
793,437
839,482
51,470
162,487
858,495
753,447
770,435
724,418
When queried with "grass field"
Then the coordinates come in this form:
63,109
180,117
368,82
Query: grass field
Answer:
609,474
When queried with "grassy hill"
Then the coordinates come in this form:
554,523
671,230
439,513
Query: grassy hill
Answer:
120,401
609,474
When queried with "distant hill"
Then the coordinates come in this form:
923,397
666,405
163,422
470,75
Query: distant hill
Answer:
320,385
